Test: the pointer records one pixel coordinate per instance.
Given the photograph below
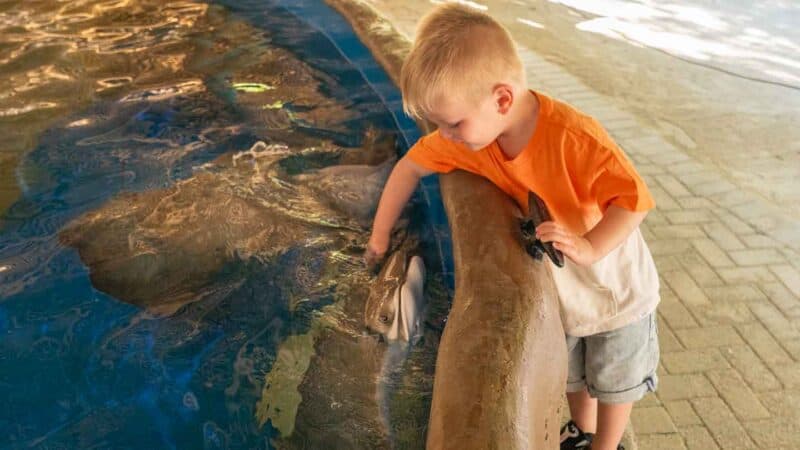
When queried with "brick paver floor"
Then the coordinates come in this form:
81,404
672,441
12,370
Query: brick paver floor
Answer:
729,319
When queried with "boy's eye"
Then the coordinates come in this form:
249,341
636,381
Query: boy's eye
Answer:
454,125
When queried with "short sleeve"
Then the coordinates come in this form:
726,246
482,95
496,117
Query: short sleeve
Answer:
616,182
432,153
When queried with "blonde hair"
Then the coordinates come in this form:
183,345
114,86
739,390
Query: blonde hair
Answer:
459,52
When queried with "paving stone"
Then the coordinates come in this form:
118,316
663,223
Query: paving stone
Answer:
682,413
684,387
666,263
724,237
622,121
690,216
676,315
669,157
648,143
667,342
782,403
792,256
757,257
711,252
789,374
712,187
751,368
697,438
748,209
699,269
719,336
659,247
646,233
760,241
739,275
789,276
664,201
778,432
765,224
694,361
646,170
685,287
781,297
735,224
677,231
695,203
737,394
787,233
656,217
792,346
722,313
755,208
735,293
722,424
625,134
650,399
697,178
671,441
652,420
732,198
691,166
674,187
776,323
764,344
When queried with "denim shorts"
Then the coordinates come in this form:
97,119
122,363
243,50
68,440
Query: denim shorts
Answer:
617,366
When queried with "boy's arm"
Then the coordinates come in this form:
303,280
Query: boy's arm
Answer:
616,225
401,184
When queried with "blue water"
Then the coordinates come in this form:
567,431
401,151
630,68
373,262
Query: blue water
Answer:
80,369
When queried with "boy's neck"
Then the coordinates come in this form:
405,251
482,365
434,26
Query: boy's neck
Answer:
522,123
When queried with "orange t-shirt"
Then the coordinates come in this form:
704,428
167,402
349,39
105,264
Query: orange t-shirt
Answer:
570,162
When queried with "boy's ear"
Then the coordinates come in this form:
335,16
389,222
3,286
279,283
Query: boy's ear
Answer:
504,97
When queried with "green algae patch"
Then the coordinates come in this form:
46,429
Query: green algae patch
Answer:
280,397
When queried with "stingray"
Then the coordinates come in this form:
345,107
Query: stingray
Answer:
159,248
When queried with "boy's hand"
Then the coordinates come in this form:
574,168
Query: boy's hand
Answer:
577,248
376,250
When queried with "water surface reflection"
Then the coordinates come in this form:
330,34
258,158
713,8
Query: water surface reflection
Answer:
155,260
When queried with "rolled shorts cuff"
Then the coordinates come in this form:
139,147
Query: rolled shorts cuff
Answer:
631,395
576,386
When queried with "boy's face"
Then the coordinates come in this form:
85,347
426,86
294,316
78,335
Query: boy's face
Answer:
474,126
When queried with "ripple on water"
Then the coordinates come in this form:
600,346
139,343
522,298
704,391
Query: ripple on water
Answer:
18,111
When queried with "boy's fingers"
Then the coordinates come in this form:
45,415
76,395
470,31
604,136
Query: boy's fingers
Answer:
567,250
564,247
551,227
554,236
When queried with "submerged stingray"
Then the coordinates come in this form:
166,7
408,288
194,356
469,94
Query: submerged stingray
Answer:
158,248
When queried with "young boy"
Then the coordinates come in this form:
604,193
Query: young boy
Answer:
464,75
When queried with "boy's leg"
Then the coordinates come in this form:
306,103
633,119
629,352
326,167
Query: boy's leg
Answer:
620,369
611,421
583,410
